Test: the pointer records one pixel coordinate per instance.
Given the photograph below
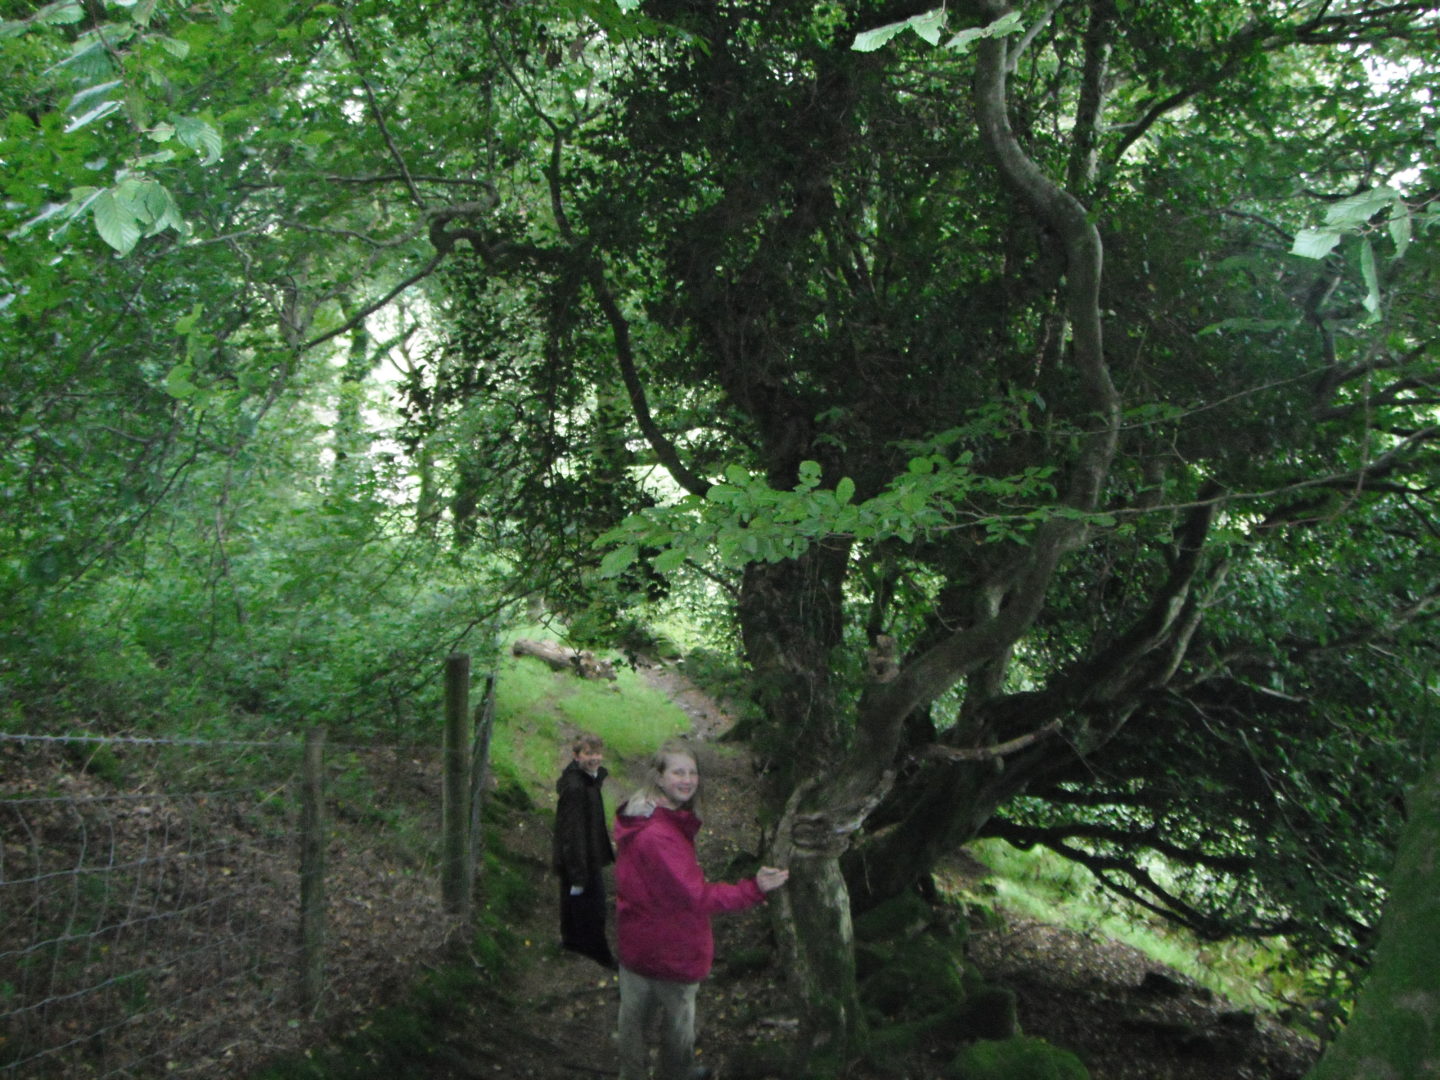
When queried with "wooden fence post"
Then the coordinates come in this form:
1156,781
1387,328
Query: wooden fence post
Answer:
479,769
312,870
456,872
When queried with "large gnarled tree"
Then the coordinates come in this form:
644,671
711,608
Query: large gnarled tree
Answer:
1003,354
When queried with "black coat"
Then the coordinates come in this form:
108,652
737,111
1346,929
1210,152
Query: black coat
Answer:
582,841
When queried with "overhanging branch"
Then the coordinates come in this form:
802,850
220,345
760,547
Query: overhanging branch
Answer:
665,450
936,752
1143,889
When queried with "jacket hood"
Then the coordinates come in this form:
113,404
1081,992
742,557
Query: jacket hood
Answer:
627,828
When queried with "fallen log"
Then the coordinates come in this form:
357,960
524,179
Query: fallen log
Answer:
581,662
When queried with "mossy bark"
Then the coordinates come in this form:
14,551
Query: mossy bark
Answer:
822,972
1395,1031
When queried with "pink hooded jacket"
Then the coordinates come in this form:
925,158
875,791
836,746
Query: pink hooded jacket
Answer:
663,903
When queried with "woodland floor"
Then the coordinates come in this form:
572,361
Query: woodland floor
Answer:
551,1018
1125,1016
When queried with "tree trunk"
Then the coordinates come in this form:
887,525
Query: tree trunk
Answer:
819,950
791,622
945,812
351,438
791,626
790,616
1395,1031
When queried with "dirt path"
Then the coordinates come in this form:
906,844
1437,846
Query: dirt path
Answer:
1126,1016
569,1003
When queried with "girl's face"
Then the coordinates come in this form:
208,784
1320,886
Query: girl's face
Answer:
679,780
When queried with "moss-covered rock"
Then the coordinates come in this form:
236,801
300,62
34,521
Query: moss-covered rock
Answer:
1021,1058
903,916
922,979
991,1012
892,1048
870,957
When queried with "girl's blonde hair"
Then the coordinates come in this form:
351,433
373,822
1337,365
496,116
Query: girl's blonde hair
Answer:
650,791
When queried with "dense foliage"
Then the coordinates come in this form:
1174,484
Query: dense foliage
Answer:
205,514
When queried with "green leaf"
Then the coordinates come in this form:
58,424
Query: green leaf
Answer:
116,225
178,383
200,137
1358,209
870,40
1315,243
669,560
1006,24
51,210
844,490
105,108
617,560
61,13
1372,280
1401,228
82,97
928,25
186,323
137,109
962,41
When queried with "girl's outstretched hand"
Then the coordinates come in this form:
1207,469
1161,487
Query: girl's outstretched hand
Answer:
771,878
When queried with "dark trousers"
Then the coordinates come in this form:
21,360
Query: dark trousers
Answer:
582,920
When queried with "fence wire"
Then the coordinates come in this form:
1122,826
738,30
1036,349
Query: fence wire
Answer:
146,902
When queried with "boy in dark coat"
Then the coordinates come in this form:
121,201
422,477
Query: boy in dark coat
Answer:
582,850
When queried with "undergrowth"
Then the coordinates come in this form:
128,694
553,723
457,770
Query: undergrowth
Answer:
415,1037
422,1035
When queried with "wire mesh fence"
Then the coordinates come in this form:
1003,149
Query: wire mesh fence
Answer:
132,913
150,901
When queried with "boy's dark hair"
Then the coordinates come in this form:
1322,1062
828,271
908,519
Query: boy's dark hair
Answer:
587,740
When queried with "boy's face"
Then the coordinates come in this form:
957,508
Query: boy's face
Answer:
590,758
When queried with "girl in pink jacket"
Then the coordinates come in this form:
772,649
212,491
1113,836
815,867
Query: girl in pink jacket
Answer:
662,913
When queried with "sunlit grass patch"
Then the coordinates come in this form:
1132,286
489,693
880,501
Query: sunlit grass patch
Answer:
538,710
629,714
1043,886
